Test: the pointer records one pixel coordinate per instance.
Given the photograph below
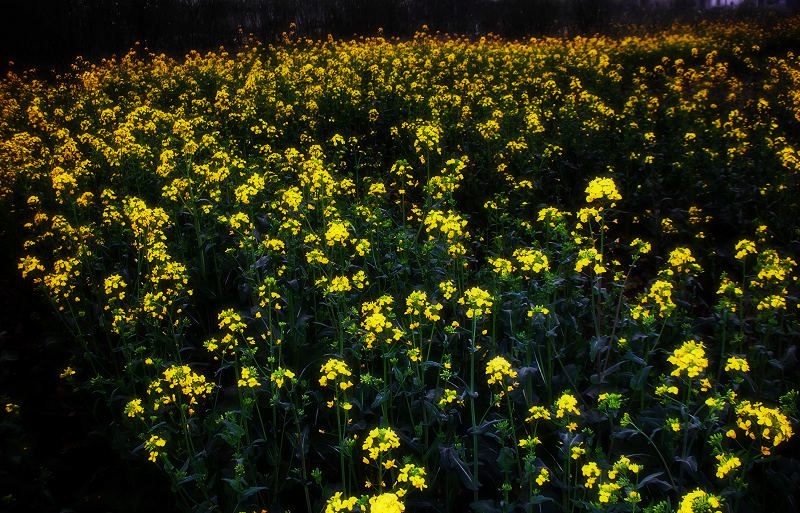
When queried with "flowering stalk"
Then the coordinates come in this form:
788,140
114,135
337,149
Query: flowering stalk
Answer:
472,394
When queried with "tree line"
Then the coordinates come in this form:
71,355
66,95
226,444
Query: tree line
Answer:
51,33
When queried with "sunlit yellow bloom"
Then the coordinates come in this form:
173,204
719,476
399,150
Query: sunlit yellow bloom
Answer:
600,188
531,260
567,403
248,378
336,504
280,375
134,408
690,359
727,462
154,446
413,475
737,364
591,472
386,503
498,369
380,441
744,247
477,301
335,370
699,501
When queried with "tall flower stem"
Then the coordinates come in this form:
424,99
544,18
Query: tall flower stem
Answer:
472,395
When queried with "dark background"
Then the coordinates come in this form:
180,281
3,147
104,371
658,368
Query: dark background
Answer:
51,33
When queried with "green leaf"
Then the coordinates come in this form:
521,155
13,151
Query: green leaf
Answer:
452,462
640,378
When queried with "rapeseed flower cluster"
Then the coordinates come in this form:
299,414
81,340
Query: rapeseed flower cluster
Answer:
698,501
154,447
335,372
338,504
380,441
179,385
602,188
377,322
762,422
500,372
413,475
689,359
566,404
280,376
387,502
477,301
417,305
726,464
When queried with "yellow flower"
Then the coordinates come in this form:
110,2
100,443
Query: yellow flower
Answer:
417,304
134,408
633,497
30,265
699,501
413,475
335,370
386,503
502,266
641,246
448,396
379,441
538,412
606,491
153,446
337,233
661,294
566,403
280,375
737,364
591,472
531,260
498,369
662,390
744,247
337,285
179,384
543,477
588,257
538,310
337,504
448,289
248,378
232,321
727,462
530,443
757,420
477,301
600,188
681,261
377,323
690,358
427,140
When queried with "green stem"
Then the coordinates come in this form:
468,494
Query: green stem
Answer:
472,409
